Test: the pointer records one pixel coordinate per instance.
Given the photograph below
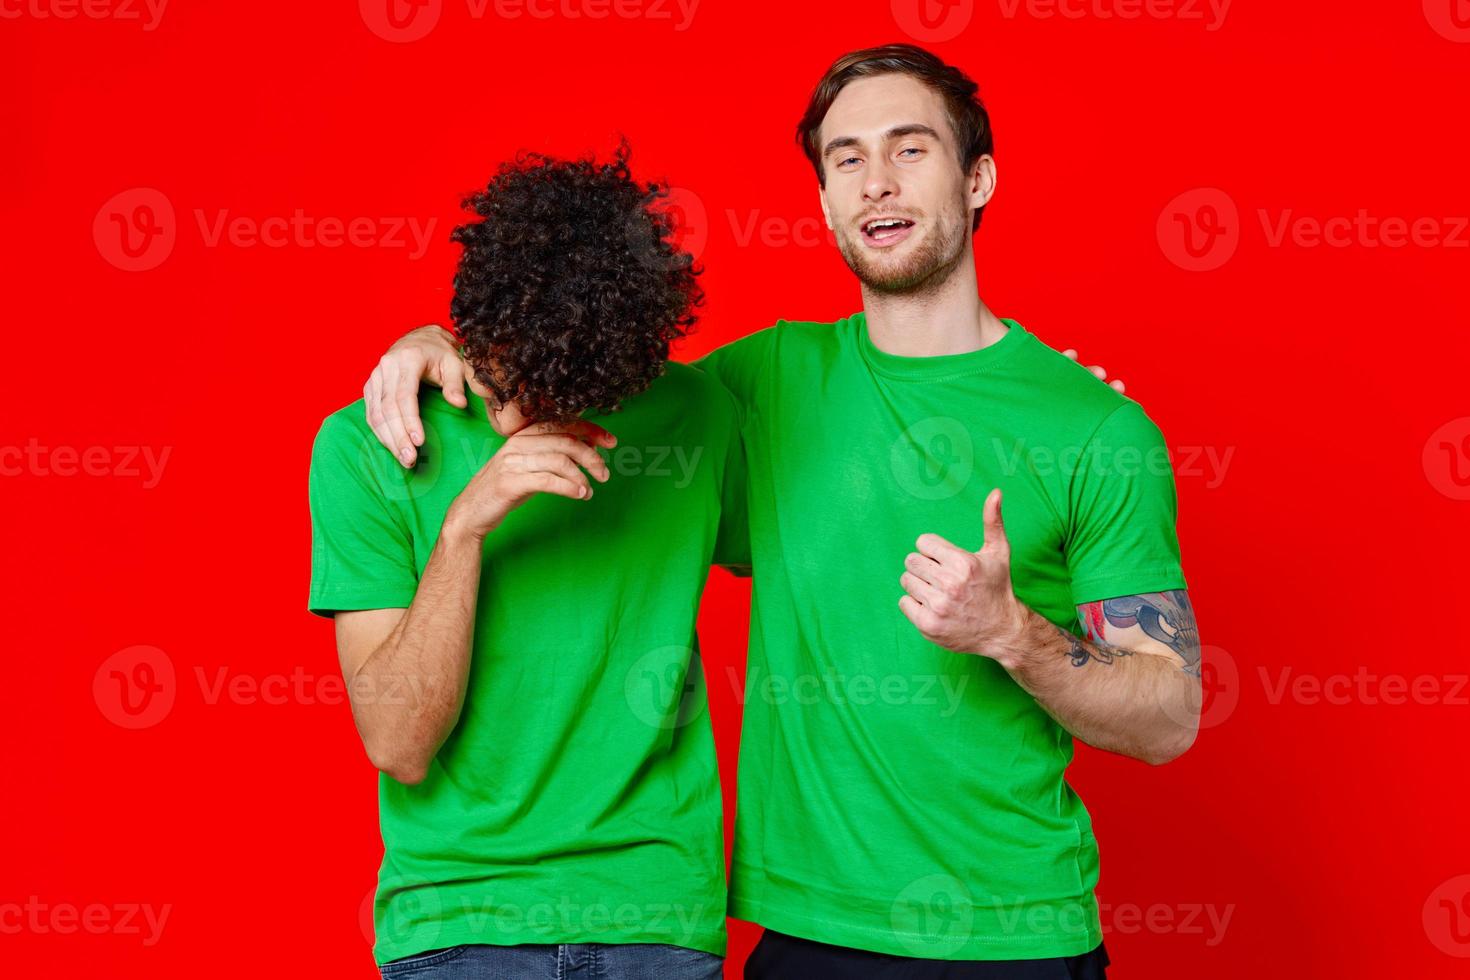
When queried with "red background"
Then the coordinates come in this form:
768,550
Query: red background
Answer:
1330,546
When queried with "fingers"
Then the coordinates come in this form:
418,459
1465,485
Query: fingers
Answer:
371,396
558,464
1070,353
916,587
583,454
390,410
1098,372
454,375
937,548
926,569
1116,385
917,613
996,543
406,401
544,481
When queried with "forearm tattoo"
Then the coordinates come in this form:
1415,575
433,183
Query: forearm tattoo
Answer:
1094,651
1165,617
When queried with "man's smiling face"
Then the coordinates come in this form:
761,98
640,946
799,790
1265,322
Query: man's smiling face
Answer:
896,196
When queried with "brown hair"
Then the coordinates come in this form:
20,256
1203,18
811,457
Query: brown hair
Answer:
967,115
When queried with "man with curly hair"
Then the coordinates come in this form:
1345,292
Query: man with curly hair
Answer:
919,667
515,616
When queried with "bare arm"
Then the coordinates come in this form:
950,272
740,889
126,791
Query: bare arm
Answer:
407,670
1131,686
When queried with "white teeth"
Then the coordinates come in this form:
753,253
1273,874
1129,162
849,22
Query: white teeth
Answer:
885,223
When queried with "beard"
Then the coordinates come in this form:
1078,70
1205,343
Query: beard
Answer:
927,266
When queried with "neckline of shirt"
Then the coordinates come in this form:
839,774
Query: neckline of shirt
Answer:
938,366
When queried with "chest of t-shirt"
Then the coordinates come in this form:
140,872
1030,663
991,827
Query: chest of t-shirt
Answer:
845,480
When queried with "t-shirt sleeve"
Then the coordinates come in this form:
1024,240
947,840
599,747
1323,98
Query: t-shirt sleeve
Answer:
361,549
1123,509
739,365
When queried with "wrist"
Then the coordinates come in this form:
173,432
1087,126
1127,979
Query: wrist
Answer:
1014,643
460,530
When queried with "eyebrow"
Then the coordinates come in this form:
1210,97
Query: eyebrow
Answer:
897,132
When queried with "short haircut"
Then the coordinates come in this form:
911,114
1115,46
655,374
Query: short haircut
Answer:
967,115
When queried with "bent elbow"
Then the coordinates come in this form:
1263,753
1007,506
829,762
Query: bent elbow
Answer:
1167,752
399,766
408,775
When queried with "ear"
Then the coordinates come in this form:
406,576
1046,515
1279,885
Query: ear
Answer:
980,184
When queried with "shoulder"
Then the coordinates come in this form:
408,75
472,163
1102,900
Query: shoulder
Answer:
1091,407
347,426
782,335
346,441
692,385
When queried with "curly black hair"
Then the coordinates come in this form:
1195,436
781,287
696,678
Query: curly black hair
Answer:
570,288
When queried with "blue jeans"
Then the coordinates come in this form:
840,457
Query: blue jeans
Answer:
567,961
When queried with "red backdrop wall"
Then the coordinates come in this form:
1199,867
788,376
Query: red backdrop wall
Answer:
1253,212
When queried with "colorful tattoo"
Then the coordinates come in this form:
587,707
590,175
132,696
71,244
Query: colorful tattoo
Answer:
1165,617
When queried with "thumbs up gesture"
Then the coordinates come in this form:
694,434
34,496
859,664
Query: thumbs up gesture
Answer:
963,600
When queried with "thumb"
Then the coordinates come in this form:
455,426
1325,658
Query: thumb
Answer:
996,543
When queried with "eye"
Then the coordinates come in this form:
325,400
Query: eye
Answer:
911,151
847,160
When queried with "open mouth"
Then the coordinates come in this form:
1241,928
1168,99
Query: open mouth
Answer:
884,231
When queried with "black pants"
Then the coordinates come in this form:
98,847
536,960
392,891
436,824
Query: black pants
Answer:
781,957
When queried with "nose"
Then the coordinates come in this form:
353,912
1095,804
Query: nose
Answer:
879,183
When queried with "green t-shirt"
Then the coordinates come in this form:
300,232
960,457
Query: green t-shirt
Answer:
577,799
895,796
